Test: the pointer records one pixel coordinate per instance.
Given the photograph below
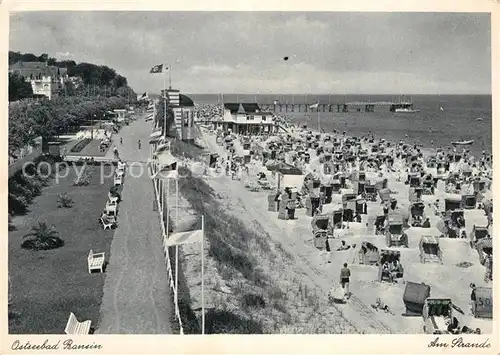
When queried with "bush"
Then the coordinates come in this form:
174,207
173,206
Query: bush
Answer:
23,189
252,300
36,184
86,176
78,147
18,204
225,322
64,200
42,237
12,227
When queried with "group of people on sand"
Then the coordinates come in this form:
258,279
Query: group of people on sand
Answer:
395,161
392,270
207,112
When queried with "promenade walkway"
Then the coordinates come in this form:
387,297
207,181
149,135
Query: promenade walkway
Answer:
137,296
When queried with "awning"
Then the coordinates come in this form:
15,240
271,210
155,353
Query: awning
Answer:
156,140
166,159
155,134
485,243
162,147
453,197
165,174
185,237
156,137
429,240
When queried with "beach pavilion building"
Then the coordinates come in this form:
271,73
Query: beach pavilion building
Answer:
247,119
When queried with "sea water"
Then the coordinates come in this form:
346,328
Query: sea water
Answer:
441,120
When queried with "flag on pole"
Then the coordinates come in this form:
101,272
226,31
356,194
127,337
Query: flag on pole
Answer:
316,105
192,236
167,166
188,237
157,69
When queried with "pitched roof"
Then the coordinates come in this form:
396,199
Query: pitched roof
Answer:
242,108
36,69
232,107
185,101
253,107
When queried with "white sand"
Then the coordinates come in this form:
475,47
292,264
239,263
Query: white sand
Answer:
322,268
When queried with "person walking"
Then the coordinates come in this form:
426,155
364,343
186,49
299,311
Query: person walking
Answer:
488,264
472,298
345,274
121,140
139,143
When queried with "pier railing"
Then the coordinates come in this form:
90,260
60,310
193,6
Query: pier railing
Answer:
358,106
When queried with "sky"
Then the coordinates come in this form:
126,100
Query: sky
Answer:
243,52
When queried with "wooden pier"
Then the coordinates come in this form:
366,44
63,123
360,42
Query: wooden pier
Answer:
336,107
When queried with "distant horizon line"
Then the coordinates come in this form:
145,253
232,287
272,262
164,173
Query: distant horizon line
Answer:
325,94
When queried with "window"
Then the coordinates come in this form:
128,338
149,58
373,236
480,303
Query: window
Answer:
250,117
263,118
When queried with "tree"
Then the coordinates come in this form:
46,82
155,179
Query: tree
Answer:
43,58
160,119
119,81
19,88
42,237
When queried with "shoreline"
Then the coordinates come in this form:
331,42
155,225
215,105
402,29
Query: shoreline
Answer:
391,127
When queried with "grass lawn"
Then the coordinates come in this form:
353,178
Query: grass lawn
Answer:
48,285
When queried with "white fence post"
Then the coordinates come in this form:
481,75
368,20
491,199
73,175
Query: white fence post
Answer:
167,255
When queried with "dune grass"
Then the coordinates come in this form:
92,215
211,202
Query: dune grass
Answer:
269,294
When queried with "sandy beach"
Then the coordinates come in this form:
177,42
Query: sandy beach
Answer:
321,268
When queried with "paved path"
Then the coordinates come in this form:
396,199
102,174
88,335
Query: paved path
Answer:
137,297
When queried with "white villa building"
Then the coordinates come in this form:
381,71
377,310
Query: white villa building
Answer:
45,79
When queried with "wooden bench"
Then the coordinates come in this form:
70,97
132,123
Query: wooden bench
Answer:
118,180
111,208
74,327
95,261
112,199
107,225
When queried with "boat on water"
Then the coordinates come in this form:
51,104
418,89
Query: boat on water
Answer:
406,110
469,142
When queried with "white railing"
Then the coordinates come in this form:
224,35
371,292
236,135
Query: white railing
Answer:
160,202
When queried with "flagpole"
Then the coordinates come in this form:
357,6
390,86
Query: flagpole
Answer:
164,105
176,280
317,110
168,193
176,247
169,76
202,275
